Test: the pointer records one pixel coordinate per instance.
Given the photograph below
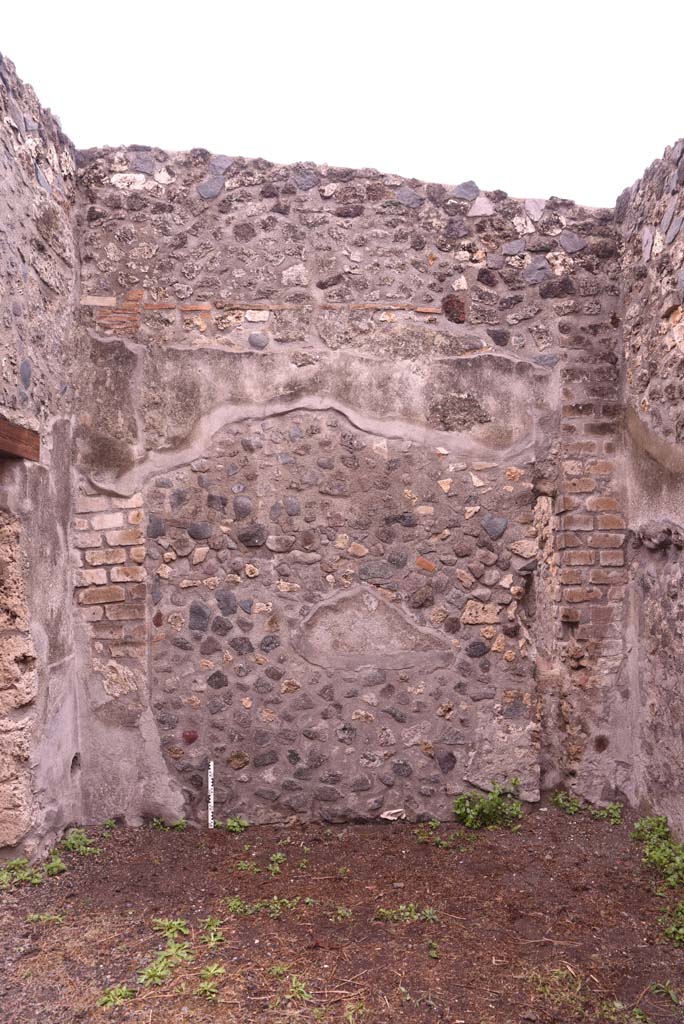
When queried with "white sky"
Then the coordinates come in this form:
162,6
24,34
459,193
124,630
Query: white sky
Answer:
571,98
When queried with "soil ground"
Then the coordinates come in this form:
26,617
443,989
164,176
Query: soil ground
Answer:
552,924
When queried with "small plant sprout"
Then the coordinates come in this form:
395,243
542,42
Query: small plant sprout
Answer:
211,972
177,953
611,813
433,950
169,927
214,933
341,914
661,851
406,912
55,866
155,974
298,991
566,802
275,862
45,918
236,824
19,872
676,998
180,826
116,995
78,841
248,865
279,970
499,809
159,824
207,990
673,924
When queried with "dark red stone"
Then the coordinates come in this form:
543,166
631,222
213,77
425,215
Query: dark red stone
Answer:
189,736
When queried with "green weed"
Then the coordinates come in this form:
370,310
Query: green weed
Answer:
673,924
115,995
499,809
661,851
78,841
169,927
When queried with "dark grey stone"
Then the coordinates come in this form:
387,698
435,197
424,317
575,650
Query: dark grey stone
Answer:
217,680
142,162
155,526
220,164
305,179
409,197
571,242
514,247
253,536
257,340
221,626
327,794
200,531
199,617
494,525
242,506
538,271
26,372
446,761
466,190
211,187
262,760
242,645
476,649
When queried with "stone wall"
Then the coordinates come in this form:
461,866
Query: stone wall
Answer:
650,218
365,489
348,401
38,270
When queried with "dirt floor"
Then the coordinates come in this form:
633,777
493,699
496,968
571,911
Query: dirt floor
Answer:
557,922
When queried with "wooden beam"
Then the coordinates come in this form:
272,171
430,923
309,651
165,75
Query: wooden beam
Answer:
20,442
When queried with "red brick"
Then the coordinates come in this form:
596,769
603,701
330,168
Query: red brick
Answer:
569,615
580,485
617,593
610,521
126,611
578,556
567,540
578,521
600,427
128,574
578,409
571,576
105,556
575,449
607,540
564,503
600,467
600,575
602,503
131,535
578,594
101,595
612,557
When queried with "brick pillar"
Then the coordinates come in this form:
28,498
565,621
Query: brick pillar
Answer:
110,583
590,536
